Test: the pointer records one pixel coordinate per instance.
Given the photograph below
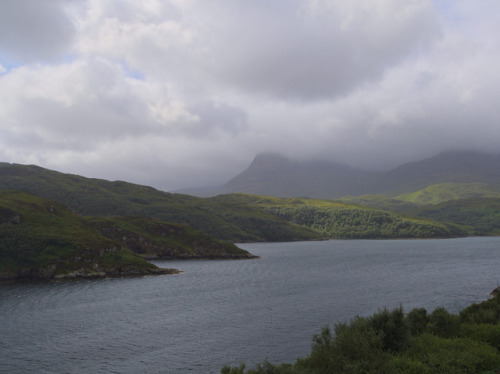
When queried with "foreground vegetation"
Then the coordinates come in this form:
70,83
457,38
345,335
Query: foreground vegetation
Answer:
394,342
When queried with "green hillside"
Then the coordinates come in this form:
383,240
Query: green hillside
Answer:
153,239
42,239
474,207
478,216
439,193
335,219
97,197
380,202
234,217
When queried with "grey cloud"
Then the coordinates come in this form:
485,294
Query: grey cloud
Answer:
77,109
369,83
309,56
33,30
213,118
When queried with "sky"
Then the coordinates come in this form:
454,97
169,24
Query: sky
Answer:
185,93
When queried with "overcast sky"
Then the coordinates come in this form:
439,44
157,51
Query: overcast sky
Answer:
184,93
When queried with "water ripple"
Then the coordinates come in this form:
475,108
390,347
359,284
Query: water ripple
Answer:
226,312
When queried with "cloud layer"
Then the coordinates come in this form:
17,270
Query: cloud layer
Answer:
185,93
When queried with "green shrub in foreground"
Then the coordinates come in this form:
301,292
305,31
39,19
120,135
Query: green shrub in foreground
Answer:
489,334
392,342
456,355
443,324
485,312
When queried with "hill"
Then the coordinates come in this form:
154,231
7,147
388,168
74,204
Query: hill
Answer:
439,193
274,175
233,217
42,239
474,207
478,216
336,219
98,197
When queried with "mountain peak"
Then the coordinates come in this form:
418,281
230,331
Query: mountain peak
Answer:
276,175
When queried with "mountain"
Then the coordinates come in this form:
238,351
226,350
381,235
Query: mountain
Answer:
275,175
42,239
448,167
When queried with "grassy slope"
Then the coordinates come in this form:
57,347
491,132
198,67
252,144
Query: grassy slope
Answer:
43,239
479,216
443,192
380,202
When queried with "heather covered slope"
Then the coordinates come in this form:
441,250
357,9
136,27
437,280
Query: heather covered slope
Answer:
157,240
98,197
42,239
237,217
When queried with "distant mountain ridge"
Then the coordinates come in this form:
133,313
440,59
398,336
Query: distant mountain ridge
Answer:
275,175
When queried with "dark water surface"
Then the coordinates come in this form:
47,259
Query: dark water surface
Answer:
227,312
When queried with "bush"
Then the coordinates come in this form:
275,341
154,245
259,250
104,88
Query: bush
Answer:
408,365
443,324
355,348
481,332
264,368
393,328
457,355
486,312
417,319
389,342
233,370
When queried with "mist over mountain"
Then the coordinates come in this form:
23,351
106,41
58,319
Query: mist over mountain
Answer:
276,175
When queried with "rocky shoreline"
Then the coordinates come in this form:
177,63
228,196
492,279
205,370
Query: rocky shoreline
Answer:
82,274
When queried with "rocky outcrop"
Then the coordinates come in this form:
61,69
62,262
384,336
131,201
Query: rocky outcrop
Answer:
9,216
86,264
